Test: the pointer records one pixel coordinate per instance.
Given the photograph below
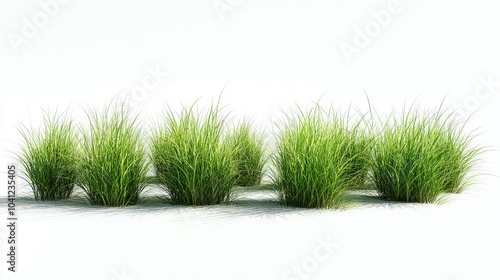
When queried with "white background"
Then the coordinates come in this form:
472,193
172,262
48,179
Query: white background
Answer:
267,56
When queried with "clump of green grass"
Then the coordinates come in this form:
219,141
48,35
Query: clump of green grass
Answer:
359,152
113,166
192,160
249,155
48,158
461,158
421,155
319,156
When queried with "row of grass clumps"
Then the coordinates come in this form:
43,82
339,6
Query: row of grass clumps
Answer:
198,159
416,156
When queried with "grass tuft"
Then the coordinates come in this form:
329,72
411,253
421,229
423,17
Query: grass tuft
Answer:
192,160
318,158
359,152
420,155
113,166
249,155
48,158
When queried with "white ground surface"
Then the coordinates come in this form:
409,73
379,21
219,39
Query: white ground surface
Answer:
254,238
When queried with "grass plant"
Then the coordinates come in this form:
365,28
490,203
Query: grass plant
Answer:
48,156
359,152
192,159
420,155
113,165
319,157
249,154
